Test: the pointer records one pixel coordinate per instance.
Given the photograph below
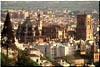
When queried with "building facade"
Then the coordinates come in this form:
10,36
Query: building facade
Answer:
54,50
49,31
25,31
84,29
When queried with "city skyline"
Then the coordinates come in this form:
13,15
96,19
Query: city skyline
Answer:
49,33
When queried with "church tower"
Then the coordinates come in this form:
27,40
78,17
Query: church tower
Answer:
84,27
39,24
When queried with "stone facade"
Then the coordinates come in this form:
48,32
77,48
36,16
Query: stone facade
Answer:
84,27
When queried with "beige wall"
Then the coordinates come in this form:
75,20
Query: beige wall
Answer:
96,57
79,61
35,59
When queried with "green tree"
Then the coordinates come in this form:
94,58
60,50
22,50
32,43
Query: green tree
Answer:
24,60
7,36
53,62
69,58
11,62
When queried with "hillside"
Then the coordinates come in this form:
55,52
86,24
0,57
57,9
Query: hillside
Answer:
30,5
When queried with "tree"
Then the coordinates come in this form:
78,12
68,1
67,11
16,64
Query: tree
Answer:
11,61
24,60
53,62
7,36
69,58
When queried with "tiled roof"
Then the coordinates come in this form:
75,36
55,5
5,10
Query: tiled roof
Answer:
33,49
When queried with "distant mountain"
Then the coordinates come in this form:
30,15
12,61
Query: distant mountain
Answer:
30,5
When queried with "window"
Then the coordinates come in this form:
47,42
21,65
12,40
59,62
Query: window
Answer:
45,51
96,56
62,60
40,63
30,33
89,36
54,54
90,26
37,60
88,22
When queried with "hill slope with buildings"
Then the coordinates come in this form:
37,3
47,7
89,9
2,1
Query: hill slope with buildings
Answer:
30,5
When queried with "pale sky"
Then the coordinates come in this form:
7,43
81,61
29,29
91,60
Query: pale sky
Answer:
50,0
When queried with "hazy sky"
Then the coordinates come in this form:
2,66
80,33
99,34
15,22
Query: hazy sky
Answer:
50,0
76,5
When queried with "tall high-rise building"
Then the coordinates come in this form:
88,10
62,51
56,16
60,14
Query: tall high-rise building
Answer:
84,28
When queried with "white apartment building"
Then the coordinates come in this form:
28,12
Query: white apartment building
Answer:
56,50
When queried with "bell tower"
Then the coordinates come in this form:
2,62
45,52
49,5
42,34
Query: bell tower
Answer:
84,27
89,29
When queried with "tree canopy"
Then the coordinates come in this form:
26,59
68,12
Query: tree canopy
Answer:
7,31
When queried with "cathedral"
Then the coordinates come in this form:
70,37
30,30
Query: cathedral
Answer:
25,32
45,32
